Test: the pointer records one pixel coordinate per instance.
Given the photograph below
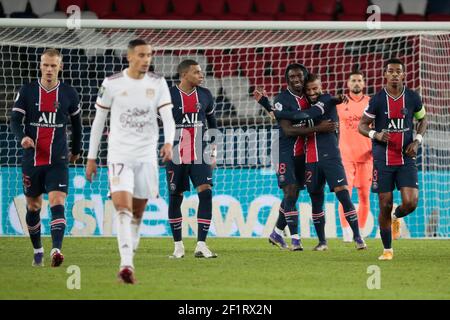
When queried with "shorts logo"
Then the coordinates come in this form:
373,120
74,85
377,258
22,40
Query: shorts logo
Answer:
282,178
340,180
374,185
173,187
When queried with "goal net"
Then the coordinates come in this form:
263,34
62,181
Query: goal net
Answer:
235,60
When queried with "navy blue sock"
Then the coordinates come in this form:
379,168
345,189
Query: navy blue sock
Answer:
290,214
318,215
204,213
175,217
57,225
386,237
33,220
281,221
349,211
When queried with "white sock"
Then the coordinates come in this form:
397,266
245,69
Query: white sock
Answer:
201,244
124,238
135,234
40,250
179,244
278,231
295,236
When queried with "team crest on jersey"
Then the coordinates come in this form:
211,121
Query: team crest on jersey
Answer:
198,106
278,106
56,104
404,111
150,93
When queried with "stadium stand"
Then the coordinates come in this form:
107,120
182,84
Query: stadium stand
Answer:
289,10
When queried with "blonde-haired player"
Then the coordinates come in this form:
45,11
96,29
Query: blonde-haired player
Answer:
356,150
134,97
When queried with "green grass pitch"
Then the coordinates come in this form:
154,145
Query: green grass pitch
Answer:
245,269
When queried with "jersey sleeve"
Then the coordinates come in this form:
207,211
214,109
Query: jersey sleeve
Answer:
370,110
163,95
20,101
104,97
419,108
211,104
74,107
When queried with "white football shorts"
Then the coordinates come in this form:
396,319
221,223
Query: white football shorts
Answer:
139,179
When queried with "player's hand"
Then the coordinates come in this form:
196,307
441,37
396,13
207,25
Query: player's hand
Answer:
411,149
91,169
73,157
272,115
382,136
258,94
341,98
327,126
27,142
166,152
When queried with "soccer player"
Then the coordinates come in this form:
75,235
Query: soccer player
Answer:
39,120
193,111
356,150
324,163
291,166
392,111
134,97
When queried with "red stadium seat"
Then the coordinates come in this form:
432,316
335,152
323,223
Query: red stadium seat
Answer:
295,7
352,17
352,7
410,17
318,17
212,8
388,17
101,8
155,8
326,7
185,8
64,4
438,17
128,9
267,6
239,7
283,16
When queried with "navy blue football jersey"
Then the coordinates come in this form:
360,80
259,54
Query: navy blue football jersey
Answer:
288,101
393,115
321,146
190,111
46,114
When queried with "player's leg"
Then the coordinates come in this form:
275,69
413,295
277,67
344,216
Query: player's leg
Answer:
384,219
33,187
336,179
350,172
289,209
201,176
178,182
383,184
121,182
363,180
287,181
33,221
56,184
315,182
407,182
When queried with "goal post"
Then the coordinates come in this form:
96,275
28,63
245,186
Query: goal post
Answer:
236,57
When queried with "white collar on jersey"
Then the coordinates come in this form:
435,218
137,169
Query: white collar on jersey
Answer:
49,90
401,94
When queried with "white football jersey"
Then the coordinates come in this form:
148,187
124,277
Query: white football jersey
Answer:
133,104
